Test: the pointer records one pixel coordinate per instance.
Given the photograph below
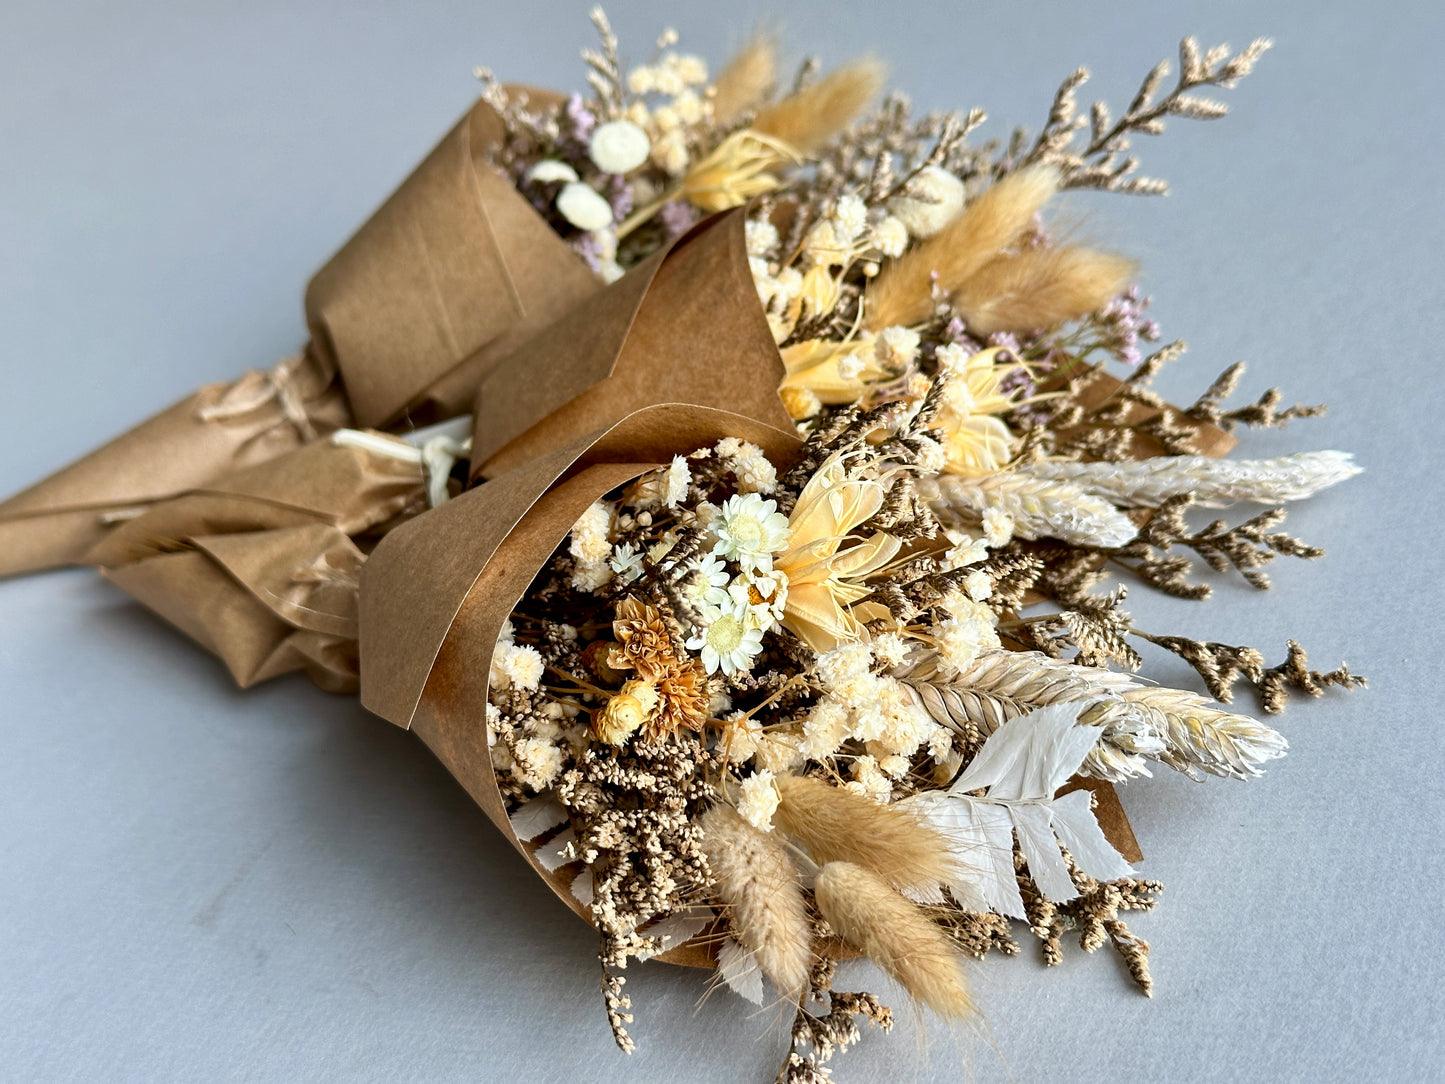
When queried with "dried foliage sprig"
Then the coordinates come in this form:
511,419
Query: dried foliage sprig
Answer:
1101,159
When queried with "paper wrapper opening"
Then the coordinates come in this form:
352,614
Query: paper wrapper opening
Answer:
684,326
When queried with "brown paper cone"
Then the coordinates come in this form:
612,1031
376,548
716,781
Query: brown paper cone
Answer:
685,326
348,488
260,568
453,270
436,591
267,602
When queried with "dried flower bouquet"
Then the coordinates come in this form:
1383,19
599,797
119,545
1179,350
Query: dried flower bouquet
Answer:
759,598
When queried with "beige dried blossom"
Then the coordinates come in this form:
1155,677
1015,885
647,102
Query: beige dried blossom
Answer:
643,643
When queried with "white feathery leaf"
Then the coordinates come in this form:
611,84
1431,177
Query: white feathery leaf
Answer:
1213,483
1030,757
982,839
581,888
1020,766
533,818
1079,831
556,853
739,969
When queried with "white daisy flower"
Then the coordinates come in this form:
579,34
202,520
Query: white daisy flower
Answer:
749,531
725,641
710,587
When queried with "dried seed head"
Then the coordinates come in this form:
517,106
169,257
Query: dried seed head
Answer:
894,933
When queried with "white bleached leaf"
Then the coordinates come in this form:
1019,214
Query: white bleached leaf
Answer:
1041,852
675,930
738,967
1030,757
981,838
533,818
1020,767
581,888
1078,830
555,854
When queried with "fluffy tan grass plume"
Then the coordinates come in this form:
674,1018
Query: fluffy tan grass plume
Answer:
746,81
1040,288
834,824
809,118
895,934
902,292
758,881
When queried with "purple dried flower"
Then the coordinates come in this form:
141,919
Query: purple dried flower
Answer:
582,119
620,196
587,247
677,217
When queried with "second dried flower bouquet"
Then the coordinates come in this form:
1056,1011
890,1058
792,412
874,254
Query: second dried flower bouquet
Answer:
723,482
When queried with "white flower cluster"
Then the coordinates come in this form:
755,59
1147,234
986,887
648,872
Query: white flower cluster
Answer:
830,248
754,471
668,123
758,800
591,548
662,488
970,629
515,666
874,709
538,756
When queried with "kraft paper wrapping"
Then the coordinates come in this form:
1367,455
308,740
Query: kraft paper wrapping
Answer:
218,428
436,591
260,568
453,271
684,326
449,274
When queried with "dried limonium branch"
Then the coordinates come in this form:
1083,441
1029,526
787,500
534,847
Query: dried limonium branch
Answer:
1247,547
1264,414
1094,914
1102,161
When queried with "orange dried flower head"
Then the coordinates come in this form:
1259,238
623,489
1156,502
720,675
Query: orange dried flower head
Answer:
642,644
682,700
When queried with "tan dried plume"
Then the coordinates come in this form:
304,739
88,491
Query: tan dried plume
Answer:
746,81
758,881
895,934
834,824
1040,288
902,292
807,119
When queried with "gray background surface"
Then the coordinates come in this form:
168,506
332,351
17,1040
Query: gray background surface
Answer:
203,884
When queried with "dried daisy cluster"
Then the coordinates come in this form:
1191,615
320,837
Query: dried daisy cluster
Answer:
870,701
